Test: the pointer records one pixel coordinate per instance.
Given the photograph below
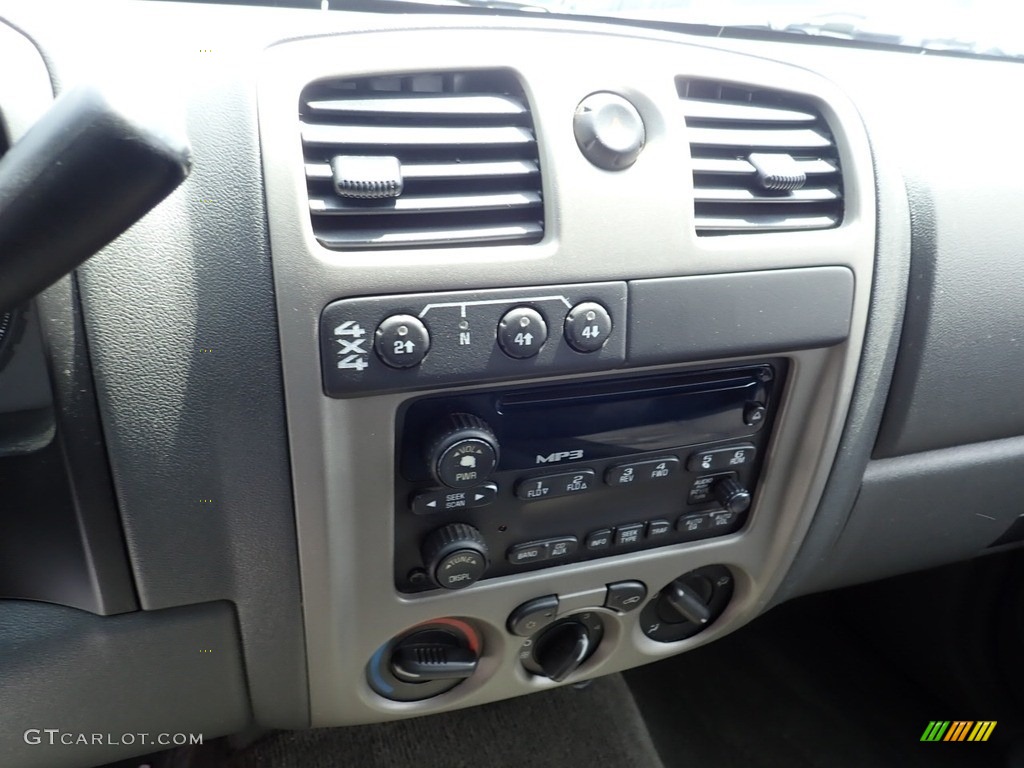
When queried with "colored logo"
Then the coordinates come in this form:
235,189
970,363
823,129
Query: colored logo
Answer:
958,730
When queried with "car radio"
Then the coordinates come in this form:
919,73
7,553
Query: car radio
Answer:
492,483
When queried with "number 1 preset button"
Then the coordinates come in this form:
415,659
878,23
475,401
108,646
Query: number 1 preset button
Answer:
550,486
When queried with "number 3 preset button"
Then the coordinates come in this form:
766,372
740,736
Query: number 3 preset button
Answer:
549,486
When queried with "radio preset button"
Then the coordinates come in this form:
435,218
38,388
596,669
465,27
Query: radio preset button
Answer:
714,459
642,471
522,332
629,534
601,539
587,327
524,554
401,341
550,486
445,500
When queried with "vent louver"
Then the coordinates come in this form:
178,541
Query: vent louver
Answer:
763,161
421,160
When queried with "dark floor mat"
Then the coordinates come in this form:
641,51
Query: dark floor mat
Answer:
795,689
597,726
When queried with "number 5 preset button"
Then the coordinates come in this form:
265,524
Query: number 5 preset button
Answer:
522,332
550,486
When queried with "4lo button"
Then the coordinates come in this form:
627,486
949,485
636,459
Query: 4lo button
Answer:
587,327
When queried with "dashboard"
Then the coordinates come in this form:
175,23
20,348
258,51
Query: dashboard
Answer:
480,354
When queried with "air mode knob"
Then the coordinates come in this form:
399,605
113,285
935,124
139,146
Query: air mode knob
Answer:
464,451
455,556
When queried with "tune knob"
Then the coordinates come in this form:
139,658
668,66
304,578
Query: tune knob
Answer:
732,496
455,556
464,451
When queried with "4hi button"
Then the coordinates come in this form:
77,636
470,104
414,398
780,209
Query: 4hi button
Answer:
522,332
402,341
587,327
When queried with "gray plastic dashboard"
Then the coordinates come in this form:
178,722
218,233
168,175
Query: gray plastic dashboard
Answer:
300,543
341,449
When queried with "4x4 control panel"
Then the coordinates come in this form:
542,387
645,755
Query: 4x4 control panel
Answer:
375,344
500,482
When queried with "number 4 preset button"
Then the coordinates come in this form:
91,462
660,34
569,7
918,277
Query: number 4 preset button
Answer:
642,471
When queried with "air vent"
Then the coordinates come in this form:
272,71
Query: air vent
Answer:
421,160
763,161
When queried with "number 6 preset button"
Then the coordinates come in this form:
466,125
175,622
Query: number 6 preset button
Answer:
522,332
550,486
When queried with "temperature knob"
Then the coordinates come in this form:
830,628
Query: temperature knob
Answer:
464,453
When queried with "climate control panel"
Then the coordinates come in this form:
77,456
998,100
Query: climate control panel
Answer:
501,482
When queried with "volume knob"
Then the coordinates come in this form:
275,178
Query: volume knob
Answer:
455,556
464,452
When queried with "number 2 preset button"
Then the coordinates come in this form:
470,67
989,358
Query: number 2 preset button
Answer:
549,486
522,332
402,341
